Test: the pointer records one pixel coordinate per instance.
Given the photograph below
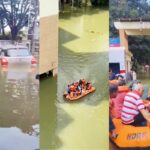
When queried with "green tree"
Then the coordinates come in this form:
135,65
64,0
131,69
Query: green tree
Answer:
139,45
16,14
3,22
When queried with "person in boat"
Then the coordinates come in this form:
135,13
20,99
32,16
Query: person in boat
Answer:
72,91
113,91
120,77
88,86
133,109
111,74
129,77
67,91
117,102
83,84
79,89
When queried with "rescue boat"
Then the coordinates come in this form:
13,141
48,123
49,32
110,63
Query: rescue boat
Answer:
80,96
130,136
123,88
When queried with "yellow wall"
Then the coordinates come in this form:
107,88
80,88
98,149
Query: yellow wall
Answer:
48,36
124,43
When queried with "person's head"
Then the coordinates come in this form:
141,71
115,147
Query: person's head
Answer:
120,77
139,88
110,71
121,82
72,87
113,90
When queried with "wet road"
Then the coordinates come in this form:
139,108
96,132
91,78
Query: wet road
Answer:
83,45
19,119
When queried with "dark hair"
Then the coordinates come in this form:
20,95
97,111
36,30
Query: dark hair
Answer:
113,88
119,76
121,83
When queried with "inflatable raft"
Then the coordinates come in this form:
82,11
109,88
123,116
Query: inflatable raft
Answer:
123,88
80,96
130,136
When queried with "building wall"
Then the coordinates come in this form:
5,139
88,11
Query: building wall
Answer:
48,36
124,43
123,39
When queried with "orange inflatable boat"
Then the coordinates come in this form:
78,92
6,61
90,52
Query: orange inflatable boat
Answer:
123,88
131,136
83,94
113,82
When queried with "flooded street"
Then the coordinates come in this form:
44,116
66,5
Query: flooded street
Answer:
83,45
83,54
19,119
144,78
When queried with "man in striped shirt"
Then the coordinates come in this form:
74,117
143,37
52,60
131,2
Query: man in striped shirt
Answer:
133,110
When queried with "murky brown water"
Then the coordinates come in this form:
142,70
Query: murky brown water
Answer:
19,106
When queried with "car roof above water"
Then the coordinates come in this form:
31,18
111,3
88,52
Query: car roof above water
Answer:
20,46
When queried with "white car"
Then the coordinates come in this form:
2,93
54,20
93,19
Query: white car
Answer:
16,55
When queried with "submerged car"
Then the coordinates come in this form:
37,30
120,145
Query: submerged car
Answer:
16,55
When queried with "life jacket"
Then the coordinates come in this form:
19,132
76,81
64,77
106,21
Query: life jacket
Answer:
113,82
123,88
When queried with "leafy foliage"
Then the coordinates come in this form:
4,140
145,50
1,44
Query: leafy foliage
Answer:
138,45
16,14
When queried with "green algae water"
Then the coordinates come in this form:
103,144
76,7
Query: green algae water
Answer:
83,53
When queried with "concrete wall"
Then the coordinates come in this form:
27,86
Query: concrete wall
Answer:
124,43
48,36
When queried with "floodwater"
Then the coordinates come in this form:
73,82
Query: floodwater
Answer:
83,54
145,79
83,45
19,121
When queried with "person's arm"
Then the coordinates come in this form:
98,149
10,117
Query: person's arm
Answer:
145,114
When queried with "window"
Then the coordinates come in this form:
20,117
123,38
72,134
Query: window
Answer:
17,53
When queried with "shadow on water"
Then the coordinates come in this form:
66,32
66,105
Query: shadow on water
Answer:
47,112
63,120
51,115
67,125
77,12
74,66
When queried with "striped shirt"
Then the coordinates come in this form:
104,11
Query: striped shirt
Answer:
131,106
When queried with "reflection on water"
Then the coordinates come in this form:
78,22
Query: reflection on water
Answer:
48,138
19,128
145,79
